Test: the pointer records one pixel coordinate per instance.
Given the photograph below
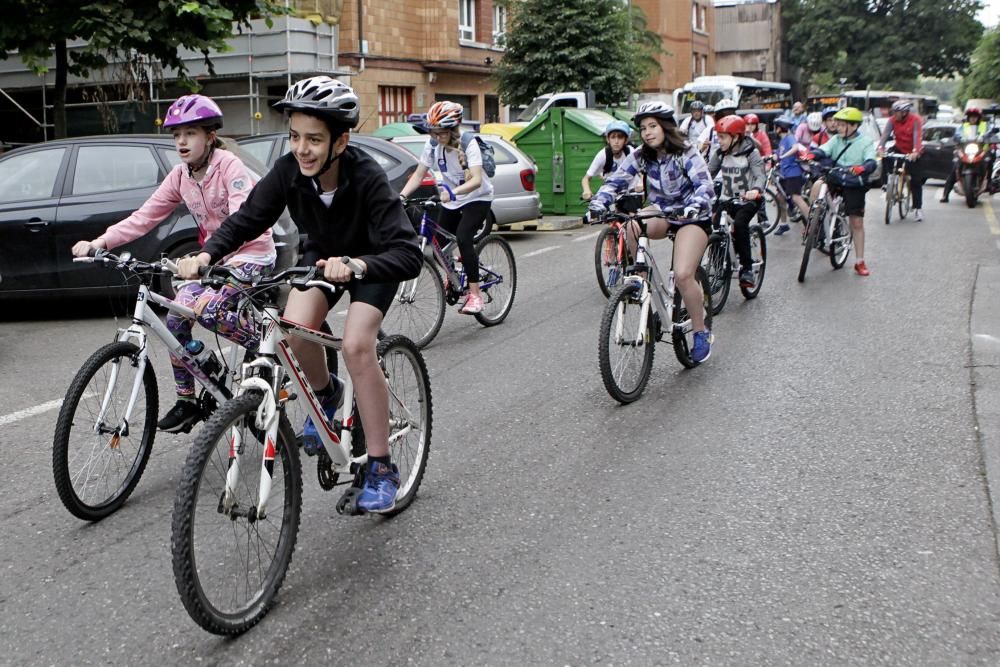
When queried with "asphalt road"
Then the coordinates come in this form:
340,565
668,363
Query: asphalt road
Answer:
814,494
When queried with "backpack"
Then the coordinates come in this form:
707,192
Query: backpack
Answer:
485,149
609,157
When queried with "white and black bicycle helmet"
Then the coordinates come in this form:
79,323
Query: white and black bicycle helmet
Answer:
901,105
327,98
725,104
655,109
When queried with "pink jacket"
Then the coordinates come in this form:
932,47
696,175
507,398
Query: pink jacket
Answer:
222,191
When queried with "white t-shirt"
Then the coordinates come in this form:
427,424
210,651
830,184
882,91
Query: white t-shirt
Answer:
692,128
597,167
447,164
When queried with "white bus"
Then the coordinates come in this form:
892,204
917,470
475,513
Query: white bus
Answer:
747,93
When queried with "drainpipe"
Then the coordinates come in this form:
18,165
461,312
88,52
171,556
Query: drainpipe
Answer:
361,37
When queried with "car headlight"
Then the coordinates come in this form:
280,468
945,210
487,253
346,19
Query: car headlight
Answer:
972,150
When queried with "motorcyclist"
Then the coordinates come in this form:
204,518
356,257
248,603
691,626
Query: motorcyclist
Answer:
973,129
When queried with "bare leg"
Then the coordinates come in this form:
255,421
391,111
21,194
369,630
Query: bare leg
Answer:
360,334
858,229
309,308
801,204
689,246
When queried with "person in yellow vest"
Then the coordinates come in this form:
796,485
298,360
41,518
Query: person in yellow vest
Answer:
972,129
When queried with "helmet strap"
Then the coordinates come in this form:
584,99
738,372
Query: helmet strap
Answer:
201,165
330,159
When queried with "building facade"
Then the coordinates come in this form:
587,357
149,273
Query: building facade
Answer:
687,28
749,39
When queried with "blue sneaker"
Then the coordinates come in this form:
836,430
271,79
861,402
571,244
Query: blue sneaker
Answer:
782,228
702,348
311,442
381,486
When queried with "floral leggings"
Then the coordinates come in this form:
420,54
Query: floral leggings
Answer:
216,311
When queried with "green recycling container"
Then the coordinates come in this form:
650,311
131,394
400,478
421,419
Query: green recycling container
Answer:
563,143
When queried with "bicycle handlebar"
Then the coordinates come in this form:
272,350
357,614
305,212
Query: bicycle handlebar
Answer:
126,261
302,277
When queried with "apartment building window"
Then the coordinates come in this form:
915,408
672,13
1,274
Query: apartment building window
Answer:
499,23
467,20
699,17
395,103
704,65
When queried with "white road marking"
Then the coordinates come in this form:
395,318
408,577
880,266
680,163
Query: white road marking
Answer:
30,412
992,339
540,251
586,237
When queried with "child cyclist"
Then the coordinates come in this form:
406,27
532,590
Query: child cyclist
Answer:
212,183
341,198
742,169
855,152
611,157
789,169
678,180
466,191
757,132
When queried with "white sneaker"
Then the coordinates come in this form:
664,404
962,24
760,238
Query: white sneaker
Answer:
474,304
918,215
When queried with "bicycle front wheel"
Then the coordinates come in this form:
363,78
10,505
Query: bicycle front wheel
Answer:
230,560
683,328
410,414
497,279
610,257
624,352
840,241
101,445
718,270
905,196
758,256
417,311
813,225
890,195
774,210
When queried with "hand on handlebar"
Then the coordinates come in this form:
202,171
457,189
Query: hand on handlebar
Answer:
336,271
189,268
87,248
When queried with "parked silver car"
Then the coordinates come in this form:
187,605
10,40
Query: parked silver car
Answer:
514,195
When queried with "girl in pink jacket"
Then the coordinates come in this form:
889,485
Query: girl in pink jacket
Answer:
212,183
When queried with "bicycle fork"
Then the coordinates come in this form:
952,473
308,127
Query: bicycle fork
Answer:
121,429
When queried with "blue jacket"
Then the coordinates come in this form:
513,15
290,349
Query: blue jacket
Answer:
672,183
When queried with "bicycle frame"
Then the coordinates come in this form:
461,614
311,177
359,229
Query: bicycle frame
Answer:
832,202
136,333
274,346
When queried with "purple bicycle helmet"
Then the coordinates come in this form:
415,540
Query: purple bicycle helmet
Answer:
194,110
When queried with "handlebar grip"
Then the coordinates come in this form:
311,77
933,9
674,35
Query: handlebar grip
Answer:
355,268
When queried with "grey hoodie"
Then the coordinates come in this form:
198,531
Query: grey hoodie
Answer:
742,168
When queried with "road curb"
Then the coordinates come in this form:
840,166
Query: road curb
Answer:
984,333
553,224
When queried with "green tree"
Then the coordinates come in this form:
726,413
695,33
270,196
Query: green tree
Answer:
982,79
119,30
882,43
573,44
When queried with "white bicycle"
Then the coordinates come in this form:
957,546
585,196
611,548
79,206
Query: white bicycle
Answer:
237,510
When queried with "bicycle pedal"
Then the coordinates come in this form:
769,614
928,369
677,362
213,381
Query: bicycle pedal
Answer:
348,503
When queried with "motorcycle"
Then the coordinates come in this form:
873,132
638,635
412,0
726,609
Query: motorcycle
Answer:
974,167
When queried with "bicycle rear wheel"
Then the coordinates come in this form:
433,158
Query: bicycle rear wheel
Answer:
890,195
497,279
718,270
624,353
610,259
758,256
683,329
229,561
813,225
905,196
417,311
98,455
410,414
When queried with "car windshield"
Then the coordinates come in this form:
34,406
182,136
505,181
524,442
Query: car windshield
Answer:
532,109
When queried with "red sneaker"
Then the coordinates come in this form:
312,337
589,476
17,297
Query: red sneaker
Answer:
861,269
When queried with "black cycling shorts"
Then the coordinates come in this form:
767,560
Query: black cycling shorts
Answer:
792,186
379,295
703,225
854,201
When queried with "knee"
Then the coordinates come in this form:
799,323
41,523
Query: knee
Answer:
357,349
684,275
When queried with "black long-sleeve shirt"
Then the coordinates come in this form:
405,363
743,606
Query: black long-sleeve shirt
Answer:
366,220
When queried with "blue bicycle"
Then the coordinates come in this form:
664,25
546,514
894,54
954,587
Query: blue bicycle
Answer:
417,311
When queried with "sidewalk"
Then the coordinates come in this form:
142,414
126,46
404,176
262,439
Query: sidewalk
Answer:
984,331
548,223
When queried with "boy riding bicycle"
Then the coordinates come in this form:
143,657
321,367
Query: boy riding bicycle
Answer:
341,198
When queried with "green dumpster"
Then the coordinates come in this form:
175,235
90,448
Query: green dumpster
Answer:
563,143
396,130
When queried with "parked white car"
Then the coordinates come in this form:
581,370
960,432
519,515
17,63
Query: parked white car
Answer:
514,195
